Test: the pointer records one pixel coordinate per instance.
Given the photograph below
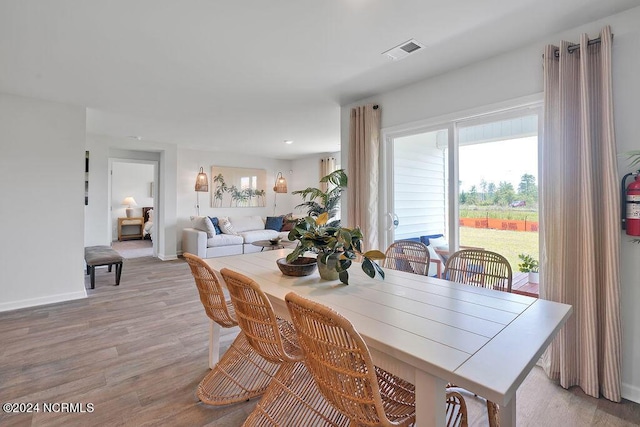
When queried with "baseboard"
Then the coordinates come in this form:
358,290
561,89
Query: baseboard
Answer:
167,257
51,299
631,392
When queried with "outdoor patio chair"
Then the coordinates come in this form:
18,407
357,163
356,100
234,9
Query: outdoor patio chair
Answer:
241,373
479,267
339,360
292,398
405,255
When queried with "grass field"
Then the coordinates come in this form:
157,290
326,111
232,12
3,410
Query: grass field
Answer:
507,243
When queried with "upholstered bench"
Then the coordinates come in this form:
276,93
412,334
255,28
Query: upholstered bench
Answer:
96,256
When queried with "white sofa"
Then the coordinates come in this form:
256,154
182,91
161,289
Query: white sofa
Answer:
236,237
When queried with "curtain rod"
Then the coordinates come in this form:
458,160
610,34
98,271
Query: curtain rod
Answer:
573,47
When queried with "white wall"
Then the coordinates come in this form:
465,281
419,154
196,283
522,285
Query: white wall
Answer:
42,201
517,74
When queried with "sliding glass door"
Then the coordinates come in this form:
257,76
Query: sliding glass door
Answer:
473,182
419,202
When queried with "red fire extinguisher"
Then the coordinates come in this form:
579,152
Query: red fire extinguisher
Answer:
631,205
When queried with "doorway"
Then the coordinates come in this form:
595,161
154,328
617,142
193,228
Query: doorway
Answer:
133,181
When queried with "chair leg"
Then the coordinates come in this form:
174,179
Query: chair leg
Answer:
118,272
93,276
109,268
493,414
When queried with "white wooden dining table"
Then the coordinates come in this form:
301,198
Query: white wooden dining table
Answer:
426,330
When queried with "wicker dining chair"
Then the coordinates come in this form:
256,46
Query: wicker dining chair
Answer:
241,373
409,256
479,267
339,360
292,398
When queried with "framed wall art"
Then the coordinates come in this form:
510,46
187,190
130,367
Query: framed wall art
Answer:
238,187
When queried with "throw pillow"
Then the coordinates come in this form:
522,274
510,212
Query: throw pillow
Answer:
225,225
288,224
273,223
216,226
203,223
438,242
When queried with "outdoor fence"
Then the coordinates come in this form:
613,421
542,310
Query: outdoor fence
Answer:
500,224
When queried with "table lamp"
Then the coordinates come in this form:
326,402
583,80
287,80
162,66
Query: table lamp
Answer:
129,201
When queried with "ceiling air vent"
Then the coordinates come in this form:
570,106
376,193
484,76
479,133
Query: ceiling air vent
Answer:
403,50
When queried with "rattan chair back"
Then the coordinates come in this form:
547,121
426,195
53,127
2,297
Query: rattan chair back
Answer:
271,337
479,267
241,373
212,296
406,255
339,360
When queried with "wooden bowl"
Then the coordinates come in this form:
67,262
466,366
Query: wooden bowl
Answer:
302,266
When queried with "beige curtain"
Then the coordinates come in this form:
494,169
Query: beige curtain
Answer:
362,170
327,165
579,215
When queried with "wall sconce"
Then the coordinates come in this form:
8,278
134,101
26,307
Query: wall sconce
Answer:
202,182
129,201
281,184
279,187
202,186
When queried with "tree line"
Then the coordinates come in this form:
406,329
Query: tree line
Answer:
503,194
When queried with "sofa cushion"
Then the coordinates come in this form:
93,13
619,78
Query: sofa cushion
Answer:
224,240
274,223
255,235
216,226
203,223
246,223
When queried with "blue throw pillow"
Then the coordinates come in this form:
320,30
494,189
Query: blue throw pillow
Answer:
214,221
274,223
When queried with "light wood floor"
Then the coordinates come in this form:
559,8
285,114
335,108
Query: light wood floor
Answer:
138,351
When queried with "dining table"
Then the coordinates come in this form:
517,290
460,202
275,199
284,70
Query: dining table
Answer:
427,330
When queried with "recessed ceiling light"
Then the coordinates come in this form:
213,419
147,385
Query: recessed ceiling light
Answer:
288,141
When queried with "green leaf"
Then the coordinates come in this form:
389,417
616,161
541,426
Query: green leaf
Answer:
344,277
368,268
343,265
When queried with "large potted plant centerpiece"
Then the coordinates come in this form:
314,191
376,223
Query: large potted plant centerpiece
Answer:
336,246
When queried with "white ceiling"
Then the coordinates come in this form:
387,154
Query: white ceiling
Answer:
245,75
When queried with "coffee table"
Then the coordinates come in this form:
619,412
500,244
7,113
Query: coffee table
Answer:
267,244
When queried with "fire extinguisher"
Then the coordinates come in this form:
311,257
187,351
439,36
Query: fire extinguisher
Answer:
631,205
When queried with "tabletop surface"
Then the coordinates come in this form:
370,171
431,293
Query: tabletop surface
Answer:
486,341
